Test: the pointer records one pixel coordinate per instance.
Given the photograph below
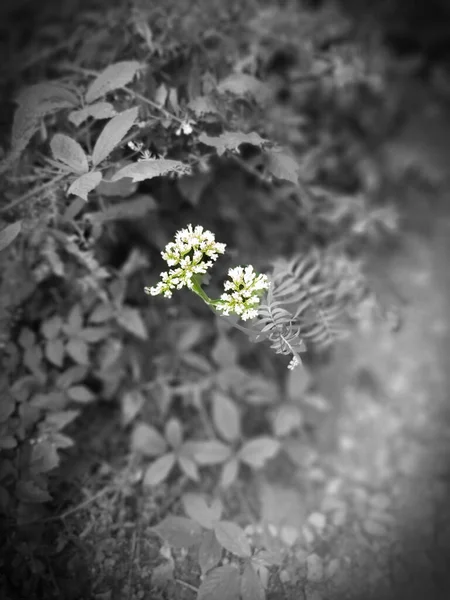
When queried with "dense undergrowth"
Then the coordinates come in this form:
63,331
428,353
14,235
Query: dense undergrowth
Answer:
131,122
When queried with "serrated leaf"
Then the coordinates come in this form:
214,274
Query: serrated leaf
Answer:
196,508
251,585
85,184
69,152
211,452
256,452
174,433
44,457
9,233
123,188
226,416
179,532
112,78
130,319
80,393
152,167
99,110
210,552
130,209
233,538
131,404
147,440
288,418
222,583
54,352
231,140
282,166
241,84
229,472
113,133
159,469
78,351
28,491
47,91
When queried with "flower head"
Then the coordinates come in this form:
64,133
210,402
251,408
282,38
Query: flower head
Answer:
187,253
245,288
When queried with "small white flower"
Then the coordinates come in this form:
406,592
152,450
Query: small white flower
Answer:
246,288
185,127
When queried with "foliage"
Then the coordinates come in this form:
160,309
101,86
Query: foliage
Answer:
85,336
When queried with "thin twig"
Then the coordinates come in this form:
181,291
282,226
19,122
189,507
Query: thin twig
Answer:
33,192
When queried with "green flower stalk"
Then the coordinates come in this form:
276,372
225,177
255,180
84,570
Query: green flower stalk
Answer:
193,253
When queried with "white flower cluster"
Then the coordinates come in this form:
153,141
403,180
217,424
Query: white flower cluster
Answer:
245,289
187,253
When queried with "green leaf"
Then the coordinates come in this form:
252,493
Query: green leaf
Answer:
193,187
288,418
210,552
190,337
159,469
174,433
229,472
101,313
112,78
147,440
251,585
224,352
113,133
211,452
70,376
131,404
130,319
226,416
74,320
202,105
222,583
9,234
131,209
99,110
196,508
56,421
84,184
149,168
46,91
7,407
28,491
297,383
51,327
69,152
241,84
93,335
188,466
179,532
231,140
44,457
282,166
54,352
78,351
256,452
233,538
80,393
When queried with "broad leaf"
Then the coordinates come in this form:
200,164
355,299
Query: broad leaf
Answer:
152,167
113,133
179,532
159,469
131,404
56,421
211,452
55,351
189,467
231,140
147,440
251,585
130,319
85,184
258,451
226,416
210,552
112,78
78,350
229,472
174,433
80,393
222,583
48,91
9,234
131,209
68,151
282,166
196,508
288,418
233,538
99,110
28,491
241,84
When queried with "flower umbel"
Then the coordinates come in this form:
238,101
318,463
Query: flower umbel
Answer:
246,288
187,253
